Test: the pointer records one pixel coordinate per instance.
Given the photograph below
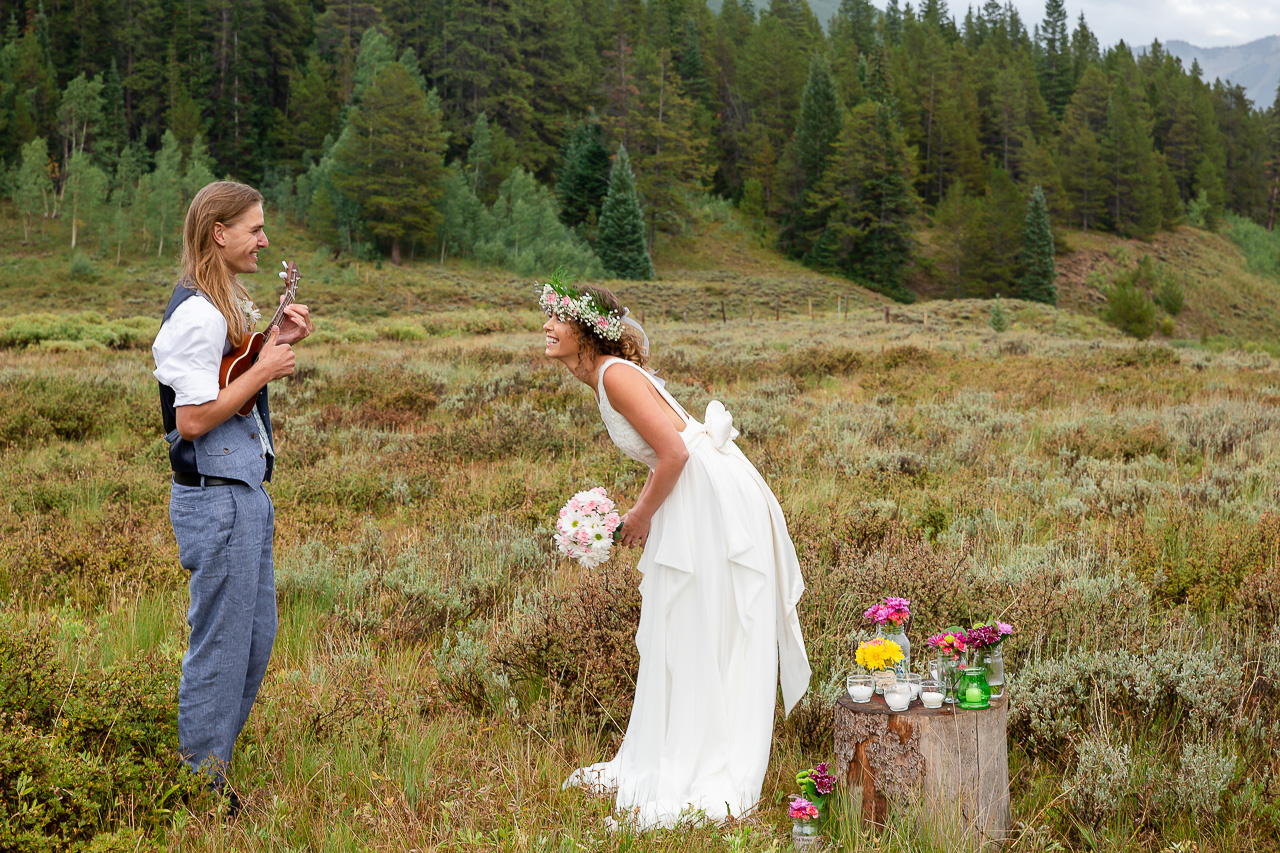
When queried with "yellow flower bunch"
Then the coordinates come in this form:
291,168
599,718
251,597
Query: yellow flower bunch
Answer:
878,653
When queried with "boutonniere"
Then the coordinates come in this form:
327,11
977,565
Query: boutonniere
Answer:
251,314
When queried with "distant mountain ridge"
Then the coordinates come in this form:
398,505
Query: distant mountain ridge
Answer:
1255,66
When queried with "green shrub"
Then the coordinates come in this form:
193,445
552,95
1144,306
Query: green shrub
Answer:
1130,310
1261,248
1170,295
999,320
82,752
580,645
82,269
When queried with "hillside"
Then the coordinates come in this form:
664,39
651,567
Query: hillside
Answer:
1224,298
722,267
1255,66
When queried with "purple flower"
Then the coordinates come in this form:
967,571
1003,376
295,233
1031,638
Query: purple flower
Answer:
822,780
802,809
983,636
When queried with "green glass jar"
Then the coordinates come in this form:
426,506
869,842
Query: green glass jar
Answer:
973,691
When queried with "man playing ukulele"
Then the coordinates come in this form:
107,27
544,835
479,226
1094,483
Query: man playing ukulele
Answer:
222,516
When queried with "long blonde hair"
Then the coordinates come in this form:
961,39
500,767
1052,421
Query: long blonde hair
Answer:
203,267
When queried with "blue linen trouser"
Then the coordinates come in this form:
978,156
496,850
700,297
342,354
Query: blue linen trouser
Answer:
224,540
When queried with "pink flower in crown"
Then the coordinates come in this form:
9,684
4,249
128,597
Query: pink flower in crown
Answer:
602,322
564,300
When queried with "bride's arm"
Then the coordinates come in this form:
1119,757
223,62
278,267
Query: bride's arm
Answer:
629,395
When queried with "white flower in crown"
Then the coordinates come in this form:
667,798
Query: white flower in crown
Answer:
558,298
251,314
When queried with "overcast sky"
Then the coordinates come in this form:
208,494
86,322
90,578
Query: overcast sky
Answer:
1204,23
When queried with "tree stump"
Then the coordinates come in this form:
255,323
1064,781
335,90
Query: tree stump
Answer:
950,758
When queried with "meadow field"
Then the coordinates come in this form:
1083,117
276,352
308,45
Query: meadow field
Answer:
438,670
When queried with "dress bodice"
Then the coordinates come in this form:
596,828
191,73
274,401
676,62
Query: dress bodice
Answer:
630,442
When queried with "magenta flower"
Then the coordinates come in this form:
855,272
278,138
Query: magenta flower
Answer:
823,780
802,809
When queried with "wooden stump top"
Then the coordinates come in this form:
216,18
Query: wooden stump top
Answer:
877,705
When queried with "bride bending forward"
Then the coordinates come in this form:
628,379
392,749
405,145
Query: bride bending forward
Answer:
720,583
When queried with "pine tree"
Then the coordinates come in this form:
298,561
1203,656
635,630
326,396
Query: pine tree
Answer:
664,143
1244,142
390,158
691,68
1038,282
892,26
957,223
1080,150
867,201
1134,197
1273,161
583,176
821,115
1054,66
310,114
622,246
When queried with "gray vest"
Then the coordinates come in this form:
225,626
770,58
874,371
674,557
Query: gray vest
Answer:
232,449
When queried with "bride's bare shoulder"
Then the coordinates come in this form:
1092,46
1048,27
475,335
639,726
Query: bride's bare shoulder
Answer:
625,378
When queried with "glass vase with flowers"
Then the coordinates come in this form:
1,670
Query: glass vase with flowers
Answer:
951,646
891,617
879,655
985,638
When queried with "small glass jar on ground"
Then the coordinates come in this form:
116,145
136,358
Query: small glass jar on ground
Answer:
860,687
993,660
806,834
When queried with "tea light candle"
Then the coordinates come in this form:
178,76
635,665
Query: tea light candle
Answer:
899,699
931,699
860,692
973,695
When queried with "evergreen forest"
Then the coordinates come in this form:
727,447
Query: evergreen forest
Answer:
913,149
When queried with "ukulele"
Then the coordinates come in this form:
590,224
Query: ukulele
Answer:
240,359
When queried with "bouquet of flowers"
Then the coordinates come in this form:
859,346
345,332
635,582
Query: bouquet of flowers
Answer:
816,783
951,643
878,653
802,809
587,527
892,611
987,635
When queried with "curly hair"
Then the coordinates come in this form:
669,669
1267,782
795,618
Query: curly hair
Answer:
630,346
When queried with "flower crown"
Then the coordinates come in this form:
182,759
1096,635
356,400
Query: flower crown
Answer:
558,297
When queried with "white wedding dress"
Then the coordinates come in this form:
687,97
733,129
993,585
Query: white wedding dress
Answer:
718,625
